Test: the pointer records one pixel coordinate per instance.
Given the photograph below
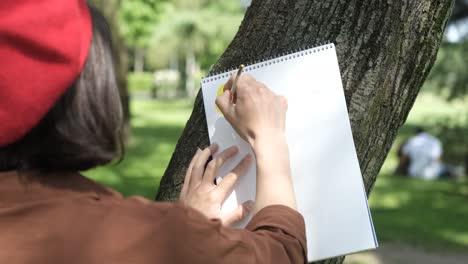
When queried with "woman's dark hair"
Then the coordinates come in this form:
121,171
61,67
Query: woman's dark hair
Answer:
83,129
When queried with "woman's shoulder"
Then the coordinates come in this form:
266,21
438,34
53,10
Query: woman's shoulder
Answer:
91,225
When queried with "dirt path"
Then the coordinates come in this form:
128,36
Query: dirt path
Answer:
399,254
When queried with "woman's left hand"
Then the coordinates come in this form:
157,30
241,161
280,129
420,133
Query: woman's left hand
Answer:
200,191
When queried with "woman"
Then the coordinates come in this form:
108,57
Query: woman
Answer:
60,114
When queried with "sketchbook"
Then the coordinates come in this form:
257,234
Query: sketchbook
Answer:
325,170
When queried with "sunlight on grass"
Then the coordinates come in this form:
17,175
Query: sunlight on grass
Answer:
156,127
428,214
429,108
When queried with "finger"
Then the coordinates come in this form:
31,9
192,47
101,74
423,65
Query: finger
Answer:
199,166
229,181
245,81
224,102
188,173
247,77
241,212
228,84
283,101
246,85
214,165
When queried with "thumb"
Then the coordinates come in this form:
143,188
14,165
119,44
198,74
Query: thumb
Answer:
241,212
224,102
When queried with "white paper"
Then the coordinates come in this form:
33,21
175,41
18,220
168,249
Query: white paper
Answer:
325,169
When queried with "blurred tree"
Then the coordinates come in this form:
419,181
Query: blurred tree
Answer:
449,79
448,76
110,9
460,11
137,21
131,22
385,48
185,34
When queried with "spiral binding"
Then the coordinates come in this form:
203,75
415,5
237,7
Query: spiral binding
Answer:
270,60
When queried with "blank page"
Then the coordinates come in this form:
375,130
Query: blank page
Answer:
327,178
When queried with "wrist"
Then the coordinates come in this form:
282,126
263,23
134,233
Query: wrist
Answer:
274,183
267,144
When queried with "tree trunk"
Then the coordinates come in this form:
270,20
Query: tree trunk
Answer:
190,65
385,49
139,60
182,85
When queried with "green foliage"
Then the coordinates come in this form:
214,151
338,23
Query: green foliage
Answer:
139,81
203,28
449,74
459,12
138,19
168,34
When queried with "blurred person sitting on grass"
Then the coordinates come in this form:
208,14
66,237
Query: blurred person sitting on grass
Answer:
60,114
420,156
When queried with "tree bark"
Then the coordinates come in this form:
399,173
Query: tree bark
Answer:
385,49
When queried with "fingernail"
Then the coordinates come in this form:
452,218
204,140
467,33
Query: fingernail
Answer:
213,146
249,205
234,147
198,150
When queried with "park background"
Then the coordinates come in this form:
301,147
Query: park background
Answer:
166,47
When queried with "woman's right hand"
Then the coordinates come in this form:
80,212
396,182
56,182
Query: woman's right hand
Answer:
257,114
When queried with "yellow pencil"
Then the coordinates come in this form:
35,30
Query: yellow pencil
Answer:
234,85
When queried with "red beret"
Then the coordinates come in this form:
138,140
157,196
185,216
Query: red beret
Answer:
43,47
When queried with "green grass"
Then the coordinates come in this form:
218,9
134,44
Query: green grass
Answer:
429,214
140,81
432,215
156,127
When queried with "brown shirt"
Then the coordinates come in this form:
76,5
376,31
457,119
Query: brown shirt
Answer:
71,219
